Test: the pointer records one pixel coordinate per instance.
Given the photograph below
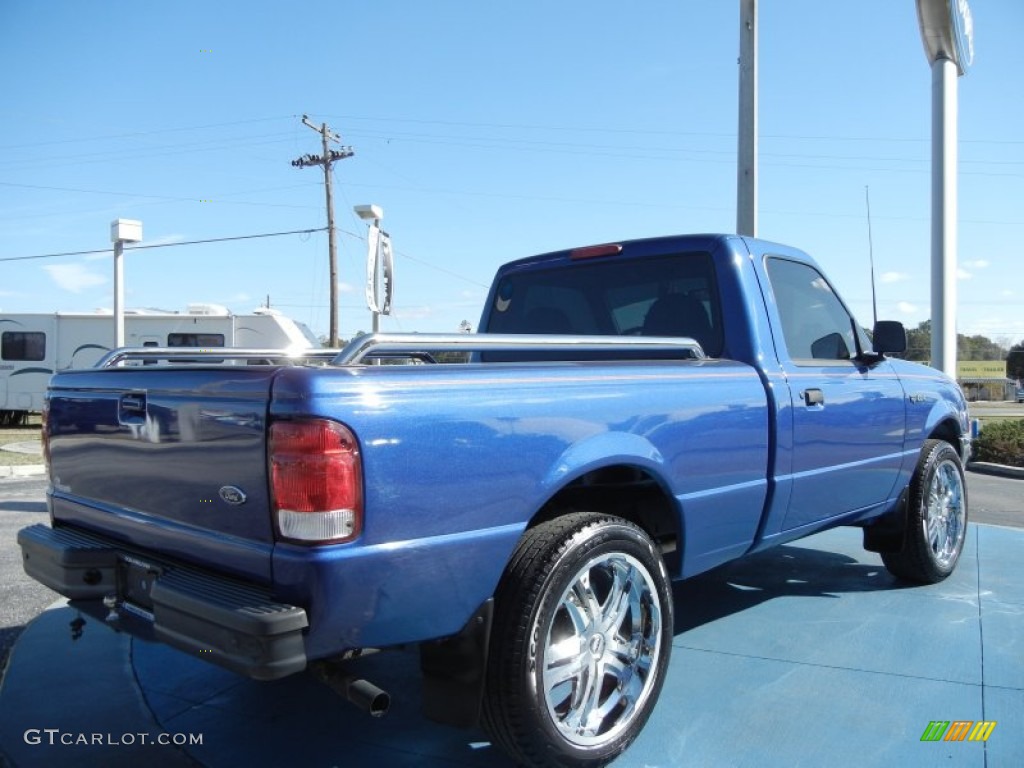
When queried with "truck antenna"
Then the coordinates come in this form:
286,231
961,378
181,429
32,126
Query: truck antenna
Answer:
871,258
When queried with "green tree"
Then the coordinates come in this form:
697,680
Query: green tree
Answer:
977,347
919,342
1015,361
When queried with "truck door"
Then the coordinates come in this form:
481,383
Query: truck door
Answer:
848,418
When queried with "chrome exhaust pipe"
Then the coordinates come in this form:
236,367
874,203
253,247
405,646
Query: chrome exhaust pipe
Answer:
364,694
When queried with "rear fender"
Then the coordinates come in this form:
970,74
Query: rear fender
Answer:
603,450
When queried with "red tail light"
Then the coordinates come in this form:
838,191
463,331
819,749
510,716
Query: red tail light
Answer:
316,481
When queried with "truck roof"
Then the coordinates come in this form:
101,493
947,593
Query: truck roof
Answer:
640,247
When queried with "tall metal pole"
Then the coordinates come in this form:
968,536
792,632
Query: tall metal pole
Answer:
118,293
944,212
947,31
121,231
746,167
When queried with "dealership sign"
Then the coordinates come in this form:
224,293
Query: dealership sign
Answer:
981,369
380,271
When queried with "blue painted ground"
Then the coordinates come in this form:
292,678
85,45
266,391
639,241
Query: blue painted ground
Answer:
807,655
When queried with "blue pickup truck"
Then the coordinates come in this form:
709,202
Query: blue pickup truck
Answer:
629,414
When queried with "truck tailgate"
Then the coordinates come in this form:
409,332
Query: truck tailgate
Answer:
169,459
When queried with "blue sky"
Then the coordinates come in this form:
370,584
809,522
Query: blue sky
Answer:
487,131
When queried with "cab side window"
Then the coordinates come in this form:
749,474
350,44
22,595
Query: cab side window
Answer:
815,324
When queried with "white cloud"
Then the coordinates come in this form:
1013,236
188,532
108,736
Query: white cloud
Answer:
346,288
963,274
975,263
893,277
74,277
413,313
906,307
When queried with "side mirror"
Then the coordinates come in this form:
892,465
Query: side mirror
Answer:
889,337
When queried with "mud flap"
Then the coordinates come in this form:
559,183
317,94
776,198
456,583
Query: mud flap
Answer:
887,533
454,669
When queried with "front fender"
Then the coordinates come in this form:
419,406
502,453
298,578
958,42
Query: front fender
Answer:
935,408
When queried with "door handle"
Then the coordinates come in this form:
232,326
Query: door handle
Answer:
132,408
133,403
814,397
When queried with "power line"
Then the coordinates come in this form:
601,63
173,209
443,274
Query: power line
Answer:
220,199
121,154
498,126
146,133
166,245
693,155
653,132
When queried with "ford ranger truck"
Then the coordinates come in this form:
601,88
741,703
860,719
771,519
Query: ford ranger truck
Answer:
630,414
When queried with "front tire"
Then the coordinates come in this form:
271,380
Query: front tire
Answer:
936,517
580,643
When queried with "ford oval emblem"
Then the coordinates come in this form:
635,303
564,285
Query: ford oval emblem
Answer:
232,495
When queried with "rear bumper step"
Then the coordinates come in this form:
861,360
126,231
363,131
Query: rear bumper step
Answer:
234,625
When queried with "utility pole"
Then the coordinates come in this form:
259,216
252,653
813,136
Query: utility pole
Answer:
325,160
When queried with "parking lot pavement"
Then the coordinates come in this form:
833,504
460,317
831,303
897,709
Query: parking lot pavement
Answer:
21,598
808,654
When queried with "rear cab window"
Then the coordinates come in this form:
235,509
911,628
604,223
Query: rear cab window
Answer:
673,296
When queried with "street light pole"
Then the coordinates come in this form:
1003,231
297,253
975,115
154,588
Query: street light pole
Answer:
947,31
121,231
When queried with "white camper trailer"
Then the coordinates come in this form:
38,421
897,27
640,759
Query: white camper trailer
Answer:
34,346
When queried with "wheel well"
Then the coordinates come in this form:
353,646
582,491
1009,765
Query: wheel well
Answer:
628,492
947,430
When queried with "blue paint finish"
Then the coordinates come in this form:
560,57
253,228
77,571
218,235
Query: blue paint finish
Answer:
235,555
457,459
154,478
601,450
399,592
441,455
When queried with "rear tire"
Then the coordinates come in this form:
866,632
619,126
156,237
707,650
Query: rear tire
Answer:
580,644
936,517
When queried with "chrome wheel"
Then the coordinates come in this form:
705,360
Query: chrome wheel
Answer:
936,517
599,649
946,512
580,644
